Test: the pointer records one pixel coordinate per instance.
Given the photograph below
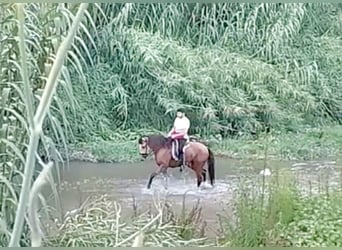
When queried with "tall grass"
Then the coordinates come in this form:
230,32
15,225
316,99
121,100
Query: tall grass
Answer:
284,210
236,68
22,82
100,223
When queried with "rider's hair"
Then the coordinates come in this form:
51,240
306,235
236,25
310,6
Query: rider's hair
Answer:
180,110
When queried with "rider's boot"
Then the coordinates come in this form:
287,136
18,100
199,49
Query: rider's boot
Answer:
181,154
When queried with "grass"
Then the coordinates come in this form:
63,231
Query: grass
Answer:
99,224
311,144
275,212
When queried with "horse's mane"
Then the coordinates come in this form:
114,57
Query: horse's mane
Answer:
158,141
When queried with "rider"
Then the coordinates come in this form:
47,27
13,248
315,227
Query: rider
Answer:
180,130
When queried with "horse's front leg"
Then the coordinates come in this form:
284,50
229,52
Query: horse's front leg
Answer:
158,170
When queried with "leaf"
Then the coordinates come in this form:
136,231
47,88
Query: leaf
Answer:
14,148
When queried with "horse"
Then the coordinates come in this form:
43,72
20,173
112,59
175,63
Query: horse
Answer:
196,154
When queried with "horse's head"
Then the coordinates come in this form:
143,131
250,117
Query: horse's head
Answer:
144,149
151,143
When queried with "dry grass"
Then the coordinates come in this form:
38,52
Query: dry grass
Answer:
99,224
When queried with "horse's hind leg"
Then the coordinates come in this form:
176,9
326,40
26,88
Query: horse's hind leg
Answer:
199,170
204,174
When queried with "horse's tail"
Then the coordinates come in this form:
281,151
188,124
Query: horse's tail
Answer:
211,166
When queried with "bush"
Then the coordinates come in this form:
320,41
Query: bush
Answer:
317,222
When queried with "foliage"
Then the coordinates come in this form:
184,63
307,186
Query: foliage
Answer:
317,222
275,213
29,41
237,68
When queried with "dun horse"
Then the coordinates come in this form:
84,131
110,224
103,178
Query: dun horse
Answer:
196,154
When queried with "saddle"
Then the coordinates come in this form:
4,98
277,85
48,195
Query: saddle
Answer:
177,148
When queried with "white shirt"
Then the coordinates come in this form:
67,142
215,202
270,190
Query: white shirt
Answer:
181,125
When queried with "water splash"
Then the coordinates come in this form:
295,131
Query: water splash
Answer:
179,187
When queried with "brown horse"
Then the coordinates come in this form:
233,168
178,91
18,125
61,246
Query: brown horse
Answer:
196,154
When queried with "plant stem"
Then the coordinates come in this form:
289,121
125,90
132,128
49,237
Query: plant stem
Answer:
141,230
36,236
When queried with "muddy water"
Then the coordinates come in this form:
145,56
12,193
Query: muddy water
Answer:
126,183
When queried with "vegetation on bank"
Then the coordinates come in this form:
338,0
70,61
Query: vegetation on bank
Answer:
275,211
240,70
309,144
229,81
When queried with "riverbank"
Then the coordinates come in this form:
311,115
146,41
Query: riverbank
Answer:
310,144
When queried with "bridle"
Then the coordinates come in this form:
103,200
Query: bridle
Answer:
147,152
